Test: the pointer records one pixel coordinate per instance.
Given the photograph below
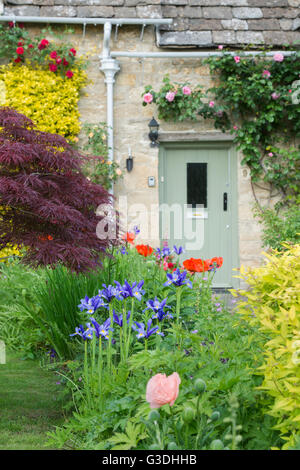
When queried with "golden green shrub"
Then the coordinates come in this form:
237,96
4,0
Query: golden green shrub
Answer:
273,302
50,100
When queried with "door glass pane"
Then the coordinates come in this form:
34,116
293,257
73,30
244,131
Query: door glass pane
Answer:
197,184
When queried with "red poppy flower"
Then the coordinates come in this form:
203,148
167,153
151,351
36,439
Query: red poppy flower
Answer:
144,250
215,262
50,237
129,237
196,265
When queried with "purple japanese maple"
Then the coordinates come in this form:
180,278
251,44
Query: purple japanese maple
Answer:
49,205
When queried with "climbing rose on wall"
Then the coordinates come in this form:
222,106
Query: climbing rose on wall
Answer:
50,204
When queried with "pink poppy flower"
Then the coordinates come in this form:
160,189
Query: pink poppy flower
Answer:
170,96
148,98
186,90
278,57
162,390
237,59
211,104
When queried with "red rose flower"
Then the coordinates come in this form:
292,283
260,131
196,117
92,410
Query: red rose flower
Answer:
65,62
50,237
53,55
21,25
52,67
20,43
11,24
44,43
18,59
30,46
20,50
72,51
58,60
69,74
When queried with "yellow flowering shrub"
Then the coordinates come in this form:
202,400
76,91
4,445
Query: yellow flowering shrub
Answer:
273,302
50,100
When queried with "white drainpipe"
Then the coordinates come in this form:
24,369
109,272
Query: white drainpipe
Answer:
109,67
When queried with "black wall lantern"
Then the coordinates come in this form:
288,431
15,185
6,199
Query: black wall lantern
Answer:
153,134
129,161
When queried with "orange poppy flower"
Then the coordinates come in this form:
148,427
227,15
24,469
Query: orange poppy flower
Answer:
196,265
129,237
144,250
50,237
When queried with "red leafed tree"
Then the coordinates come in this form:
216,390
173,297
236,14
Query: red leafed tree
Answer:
47,204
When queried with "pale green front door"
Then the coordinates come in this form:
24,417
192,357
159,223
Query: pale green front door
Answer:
198,206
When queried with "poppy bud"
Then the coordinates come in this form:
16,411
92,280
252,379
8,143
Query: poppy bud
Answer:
200,385
188,415
154,447
217,444
172,446
215,416
153,416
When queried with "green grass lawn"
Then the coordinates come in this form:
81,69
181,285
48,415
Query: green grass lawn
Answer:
29,404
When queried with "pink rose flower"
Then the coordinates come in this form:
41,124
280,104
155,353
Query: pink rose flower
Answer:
266,73
270,154
235,128
211,104
186,90
275,95
162,390
278,57
237,59
170,96
148,98
220,47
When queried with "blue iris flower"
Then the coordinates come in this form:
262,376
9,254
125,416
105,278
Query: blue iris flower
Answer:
178,250
158,308
102,330
119,318
178,279
110,292
145,333
85,334
91,304
136,230
131,291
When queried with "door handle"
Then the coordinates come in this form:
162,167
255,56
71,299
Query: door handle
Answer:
225,200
